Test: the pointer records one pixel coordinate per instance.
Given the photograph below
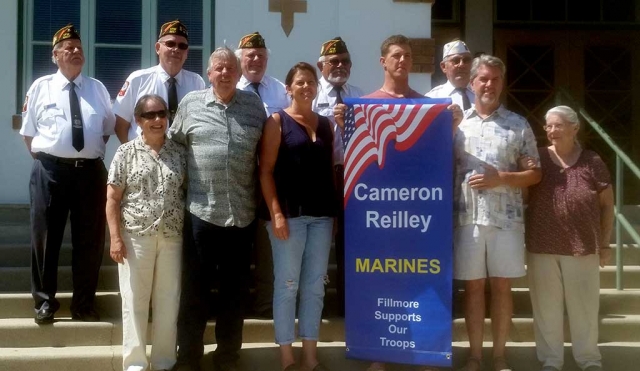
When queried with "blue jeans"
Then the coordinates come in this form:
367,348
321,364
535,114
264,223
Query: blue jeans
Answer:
300,262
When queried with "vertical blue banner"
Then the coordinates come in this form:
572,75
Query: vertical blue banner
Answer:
398,230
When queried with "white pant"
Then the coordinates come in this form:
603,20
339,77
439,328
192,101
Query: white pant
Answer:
150,271
556,280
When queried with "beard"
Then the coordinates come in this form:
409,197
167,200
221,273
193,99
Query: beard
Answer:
488,99
338,78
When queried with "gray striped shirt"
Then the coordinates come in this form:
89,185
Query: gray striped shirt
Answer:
221,142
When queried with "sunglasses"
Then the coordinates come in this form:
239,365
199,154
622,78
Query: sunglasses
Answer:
172,44
152,115
335,62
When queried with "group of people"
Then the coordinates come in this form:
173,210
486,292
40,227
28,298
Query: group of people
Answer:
204,174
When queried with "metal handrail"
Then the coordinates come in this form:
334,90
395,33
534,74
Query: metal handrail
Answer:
621,160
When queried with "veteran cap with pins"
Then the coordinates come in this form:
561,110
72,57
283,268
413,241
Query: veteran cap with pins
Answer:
65,33
454,47
334,46
252,40
174,28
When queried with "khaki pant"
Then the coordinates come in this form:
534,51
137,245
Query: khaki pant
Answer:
556,280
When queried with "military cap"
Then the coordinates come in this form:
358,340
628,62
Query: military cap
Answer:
334,46
65,33
454,47
174,28
252,40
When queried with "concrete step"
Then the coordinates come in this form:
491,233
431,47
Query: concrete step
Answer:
631,278
18,279
64,332
109,305
612,302
264,357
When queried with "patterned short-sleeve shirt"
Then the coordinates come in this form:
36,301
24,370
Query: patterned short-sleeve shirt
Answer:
153,198
498,140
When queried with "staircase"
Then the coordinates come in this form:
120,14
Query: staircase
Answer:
70,345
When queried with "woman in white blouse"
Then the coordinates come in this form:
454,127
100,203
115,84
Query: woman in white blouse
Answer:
145,211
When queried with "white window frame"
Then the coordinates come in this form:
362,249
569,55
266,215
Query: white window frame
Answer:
148,36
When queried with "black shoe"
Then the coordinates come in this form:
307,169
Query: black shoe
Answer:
89,315
226,366
44,316
185,367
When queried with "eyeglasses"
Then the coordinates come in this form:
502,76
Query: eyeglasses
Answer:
335,62
456,60
556,126
152,115
172,44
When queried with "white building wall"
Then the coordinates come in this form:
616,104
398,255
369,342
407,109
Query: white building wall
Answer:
363,25
15,162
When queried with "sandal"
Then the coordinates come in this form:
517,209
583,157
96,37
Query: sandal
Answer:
500,364
473,364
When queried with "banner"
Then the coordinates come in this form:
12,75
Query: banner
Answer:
398,199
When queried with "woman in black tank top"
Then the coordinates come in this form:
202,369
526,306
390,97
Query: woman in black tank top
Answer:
296,176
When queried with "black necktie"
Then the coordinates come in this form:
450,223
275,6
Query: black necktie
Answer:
255,86
466,104
338,89
173,99
77,133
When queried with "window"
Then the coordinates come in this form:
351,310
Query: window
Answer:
118,35
566,11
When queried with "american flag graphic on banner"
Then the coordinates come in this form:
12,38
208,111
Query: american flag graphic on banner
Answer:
370,127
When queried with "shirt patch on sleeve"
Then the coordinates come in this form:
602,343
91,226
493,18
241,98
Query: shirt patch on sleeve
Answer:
124,88
24,106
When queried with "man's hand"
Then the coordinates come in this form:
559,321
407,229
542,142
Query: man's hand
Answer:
338,114
118,251
490,178
457,115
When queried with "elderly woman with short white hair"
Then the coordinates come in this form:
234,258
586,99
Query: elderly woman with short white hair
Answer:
568,226
145,212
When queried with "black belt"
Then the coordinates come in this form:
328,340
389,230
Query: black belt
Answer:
75,162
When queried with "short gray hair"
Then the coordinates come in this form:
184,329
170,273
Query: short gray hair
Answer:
487,60
137,110
238,53
225,53
53,57
566,113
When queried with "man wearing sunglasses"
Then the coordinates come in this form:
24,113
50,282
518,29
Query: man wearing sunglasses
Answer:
456,65
335,67
167,80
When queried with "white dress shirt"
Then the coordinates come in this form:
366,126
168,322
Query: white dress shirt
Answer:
323,105
272,92
152,80
447,90
46,116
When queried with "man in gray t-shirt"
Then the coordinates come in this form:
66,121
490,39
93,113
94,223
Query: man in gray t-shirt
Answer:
220,127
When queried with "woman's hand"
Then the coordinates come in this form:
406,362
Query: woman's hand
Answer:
279,226
118,251
526,163
605,256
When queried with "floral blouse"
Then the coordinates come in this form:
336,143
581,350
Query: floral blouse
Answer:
154,195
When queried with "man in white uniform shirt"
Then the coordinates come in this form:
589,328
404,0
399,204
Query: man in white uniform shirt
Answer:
335,67
66,121
253,55
456,65
167,80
